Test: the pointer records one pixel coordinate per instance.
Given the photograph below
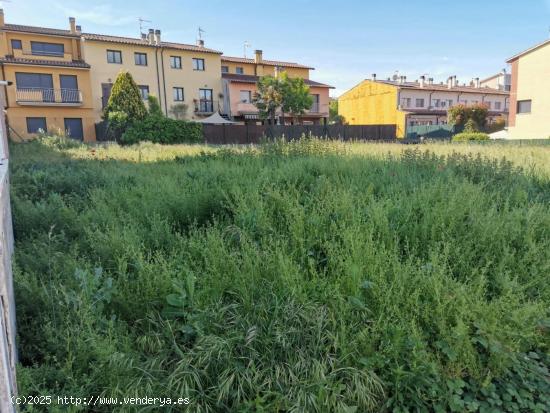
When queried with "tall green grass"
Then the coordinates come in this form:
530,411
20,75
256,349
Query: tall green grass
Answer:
291,277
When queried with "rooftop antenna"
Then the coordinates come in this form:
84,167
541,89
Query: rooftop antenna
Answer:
201,31
141,25
245,46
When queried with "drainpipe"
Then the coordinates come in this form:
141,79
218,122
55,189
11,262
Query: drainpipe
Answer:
163,80
157,66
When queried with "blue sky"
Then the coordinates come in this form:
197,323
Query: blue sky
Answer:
346,41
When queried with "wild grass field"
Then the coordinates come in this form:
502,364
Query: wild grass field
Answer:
290,277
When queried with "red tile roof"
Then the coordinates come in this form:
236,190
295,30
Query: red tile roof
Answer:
234,78
445,88
141,42
39,62
265,62
38,30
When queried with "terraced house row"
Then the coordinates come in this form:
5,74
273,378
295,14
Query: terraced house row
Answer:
62,79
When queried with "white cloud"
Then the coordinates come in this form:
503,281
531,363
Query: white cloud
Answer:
102,14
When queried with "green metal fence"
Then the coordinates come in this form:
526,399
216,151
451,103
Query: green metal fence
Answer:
430,131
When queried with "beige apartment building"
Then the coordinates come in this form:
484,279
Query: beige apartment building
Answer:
530,93
61,79
175,73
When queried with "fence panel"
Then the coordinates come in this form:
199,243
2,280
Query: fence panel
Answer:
8,358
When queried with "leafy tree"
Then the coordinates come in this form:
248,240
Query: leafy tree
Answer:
269,97
125,98
296,96
333,116
475,116
154,106
179,110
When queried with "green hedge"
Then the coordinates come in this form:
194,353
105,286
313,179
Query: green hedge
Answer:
470,136
163,130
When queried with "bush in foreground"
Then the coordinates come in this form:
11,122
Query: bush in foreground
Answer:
161,129
470,136
281,280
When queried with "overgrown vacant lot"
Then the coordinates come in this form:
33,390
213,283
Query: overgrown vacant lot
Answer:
305,277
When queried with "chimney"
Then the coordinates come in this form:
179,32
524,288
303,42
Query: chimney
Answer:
450,82
477,83
1,17
151,36
157,37
200,42
258,55
431,81
455,81
78,28
422,81
143,36
72,24
374,77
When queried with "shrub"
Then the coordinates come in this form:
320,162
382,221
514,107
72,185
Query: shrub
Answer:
179,110
125,97
154,106
470,136
459,115
496,126
160,129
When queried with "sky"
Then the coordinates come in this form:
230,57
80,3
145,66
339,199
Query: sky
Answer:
345,40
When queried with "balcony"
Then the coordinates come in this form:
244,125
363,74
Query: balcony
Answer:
246,107
48,97
205,106
29,54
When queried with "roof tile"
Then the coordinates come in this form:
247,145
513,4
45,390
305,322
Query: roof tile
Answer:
253,79
41,62
265,62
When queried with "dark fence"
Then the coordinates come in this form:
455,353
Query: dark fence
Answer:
243,134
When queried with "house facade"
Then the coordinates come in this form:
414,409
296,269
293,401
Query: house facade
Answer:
529,96
50,81
423,102
179,75
500,81
239,79
61,80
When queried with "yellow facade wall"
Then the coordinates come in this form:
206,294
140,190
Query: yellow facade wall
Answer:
372,103
533,83
71,46
190,80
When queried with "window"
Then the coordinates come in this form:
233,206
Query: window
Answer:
406,102
140,59
114,56
419,103
73,128
436,103
524,106
198,64
47,49
69,89
246,96
34,125
315,105
175,62
35,87
16,44
489,104
206,104
144,91
239,70
450,102
178,94
225,69
498,106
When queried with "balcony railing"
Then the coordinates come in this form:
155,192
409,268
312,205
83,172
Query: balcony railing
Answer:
206,106
314,107
42,96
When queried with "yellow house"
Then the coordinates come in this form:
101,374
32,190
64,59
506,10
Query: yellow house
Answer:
422,102
530,93
177,74
50,81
